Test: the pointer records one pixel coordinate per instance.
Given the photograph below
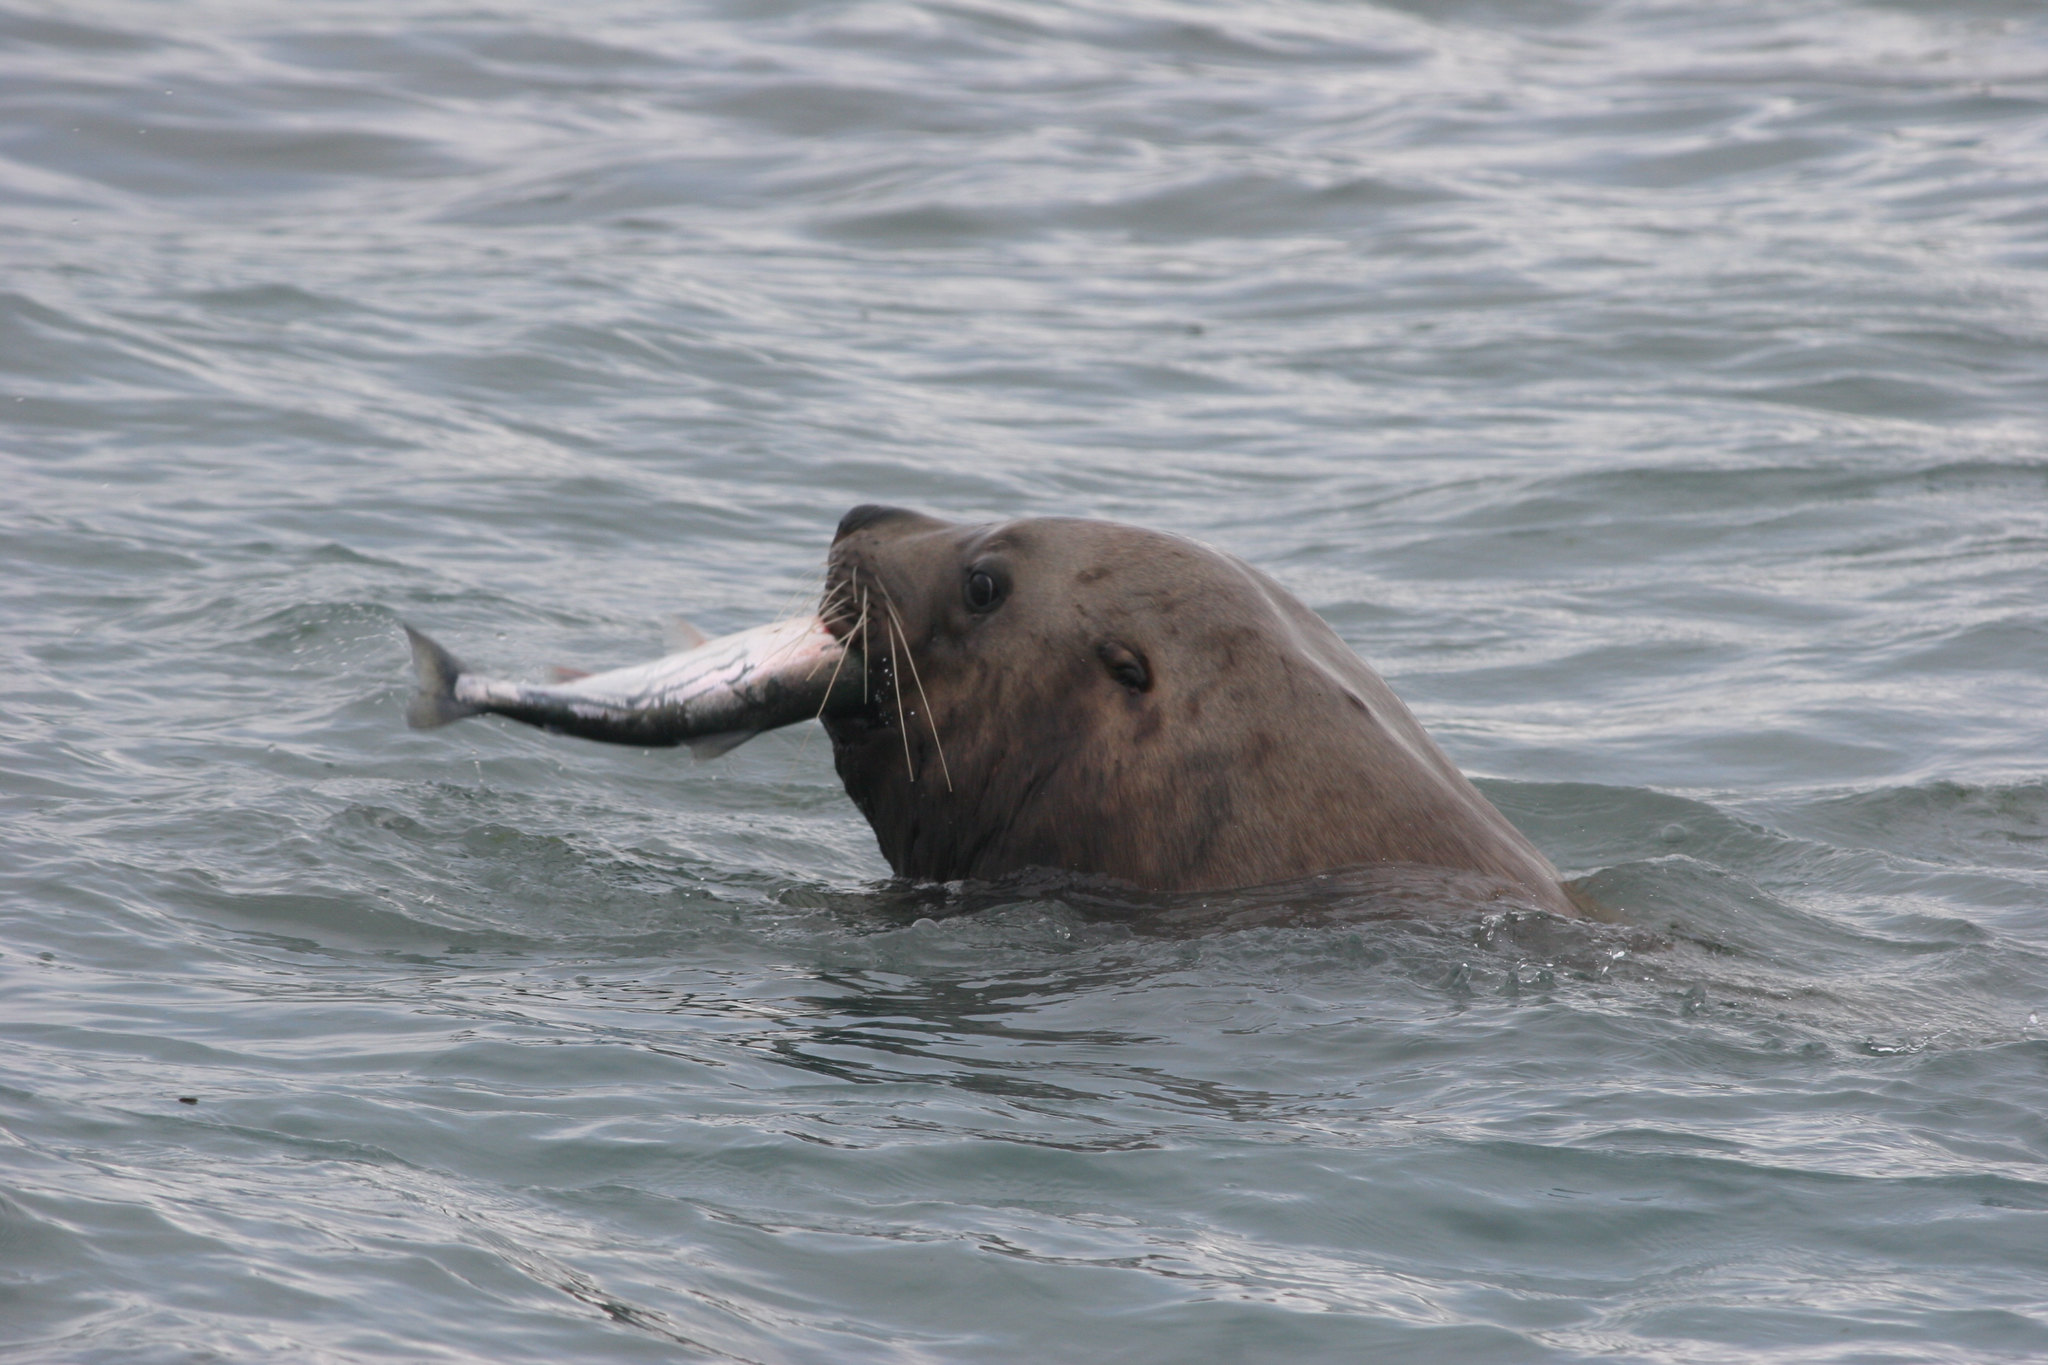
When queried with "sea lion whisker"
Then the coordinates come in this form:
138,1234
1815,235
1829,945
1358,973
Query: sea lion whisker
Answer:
830,683
825,699
902,723
825,609
803,746
795,599
790,604
795,642
930,721
862,626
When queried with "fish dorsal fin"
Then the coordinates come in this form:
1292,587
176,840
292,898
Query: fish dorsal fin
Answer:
679,636
558,675
711,746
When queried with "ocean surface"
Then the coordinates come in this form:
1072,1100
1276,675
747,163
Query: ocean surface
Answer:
1656,393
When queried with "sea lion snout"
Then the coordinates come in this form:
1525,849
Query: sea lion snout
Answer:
868,514
911,566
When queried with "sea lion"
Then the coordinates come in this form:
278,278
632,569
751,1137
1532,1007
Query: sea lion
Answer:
1098,698
1072,695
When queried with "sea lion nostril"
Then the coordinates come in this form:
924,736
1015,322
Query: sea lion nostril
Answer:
865,515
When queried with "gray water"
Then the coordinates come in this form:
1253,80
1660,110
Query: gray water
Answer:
1654,392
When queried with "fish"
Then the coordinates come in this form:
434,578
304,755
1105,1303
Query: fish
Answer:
712,696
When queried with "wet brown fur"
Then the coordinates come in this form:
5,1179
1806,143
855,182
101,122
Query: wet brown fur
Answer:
1260,748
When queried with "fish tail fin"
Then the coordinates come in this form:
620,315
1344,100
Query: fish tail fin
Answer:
434,704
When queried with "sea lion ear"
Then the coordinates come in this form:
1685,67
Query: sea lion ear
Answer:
1125,664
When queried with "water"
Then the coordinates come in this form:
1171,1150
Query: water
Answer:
1654,392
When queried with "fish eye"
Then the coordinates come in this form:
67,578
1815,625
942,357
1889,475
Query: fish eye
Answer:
983,591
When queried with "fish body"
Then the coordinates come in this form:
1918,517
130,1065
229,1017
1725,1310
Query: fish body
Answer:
712,697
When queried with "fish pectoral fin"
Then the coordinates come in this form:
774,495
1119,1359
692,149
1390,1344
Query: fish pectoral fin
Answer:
679,636
558,674
711,746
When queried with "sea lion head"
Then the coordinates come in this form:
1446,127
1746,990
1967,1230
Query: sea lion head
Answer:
1099,698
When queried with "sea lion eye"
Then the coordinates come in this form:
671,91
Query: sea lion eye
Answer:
983,591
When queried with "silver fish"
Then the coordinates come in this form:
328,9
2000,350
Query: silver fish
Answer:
712,697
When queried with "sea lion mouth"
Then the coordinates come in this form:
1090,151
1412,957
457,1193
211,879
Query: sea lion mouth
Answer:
854,610
877,628
839,605
855,603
